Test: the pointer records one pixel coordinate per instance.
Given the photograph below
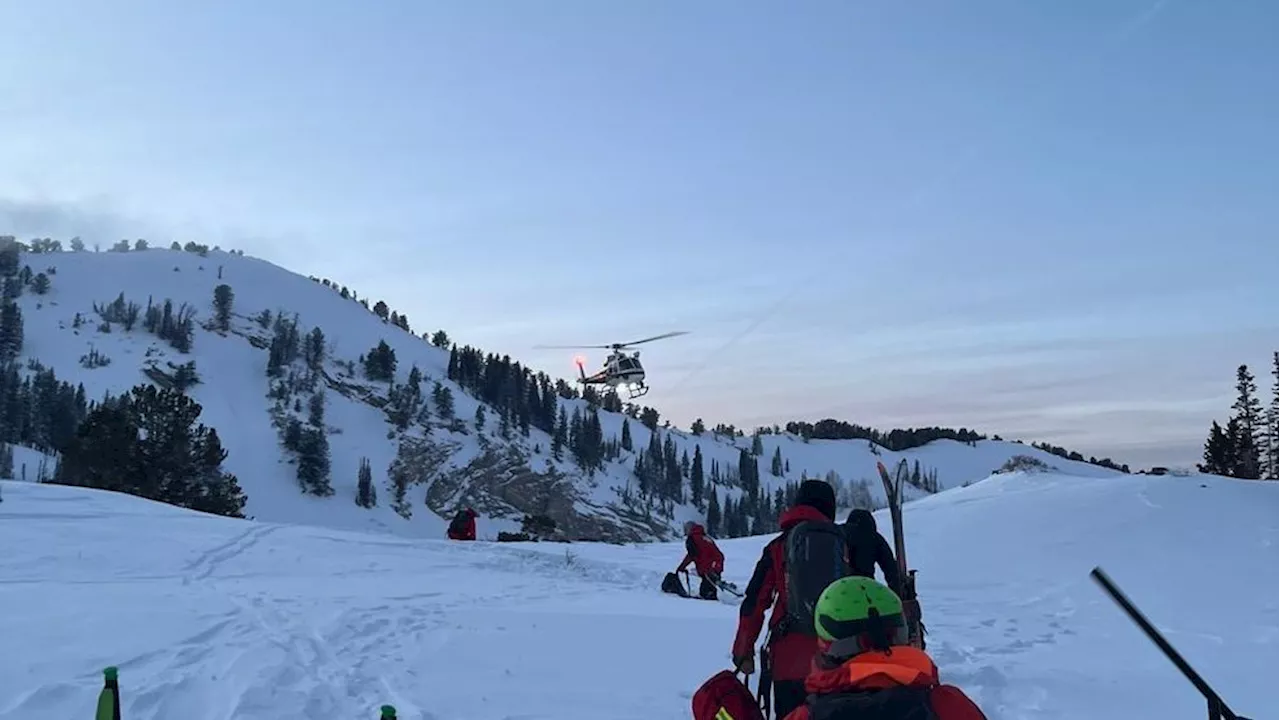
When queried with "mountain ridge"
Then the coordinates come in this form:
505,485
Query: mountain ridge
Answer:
420,416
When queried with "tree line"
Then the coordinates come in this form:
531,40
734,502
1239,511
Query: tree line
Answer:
508,396
1248,447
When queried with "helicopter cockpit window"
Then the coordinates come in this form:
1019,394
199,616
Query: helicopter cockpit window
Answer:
626,364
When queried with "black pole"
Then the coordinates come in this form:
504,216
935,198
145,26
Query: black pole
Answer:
1217,708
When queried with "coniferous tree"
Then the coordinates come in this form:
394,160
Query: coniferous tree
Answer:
40,284
9,257
1250,426
443,398
313,462
452,372
380,363
11,330
560,437
148,443
479,418
1273,421
315,410
223,297
366,493
697,428
504,423
696,480
748,472
380,309
1219,455
757,445
314,349
626,435
713,512
775,467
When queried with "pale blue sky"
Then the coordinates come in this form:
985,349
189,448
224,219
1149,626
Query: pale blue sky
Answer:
1052,220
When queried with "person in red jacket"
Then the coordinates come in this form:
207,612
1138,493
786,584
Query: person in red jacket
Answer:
706,558
463,526
866,670
791,653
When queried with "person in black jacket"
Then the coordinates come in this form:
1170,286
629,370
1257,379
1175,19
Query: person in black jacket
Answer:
868,548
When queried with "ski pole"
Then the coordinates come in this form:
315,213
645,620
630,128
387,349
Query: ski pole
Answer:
1218,709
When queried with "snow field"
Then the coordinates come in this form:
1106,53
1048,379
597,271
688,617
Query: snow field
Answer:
211,618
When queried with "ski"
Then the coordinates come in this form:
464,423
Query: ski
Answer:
729,587
910,602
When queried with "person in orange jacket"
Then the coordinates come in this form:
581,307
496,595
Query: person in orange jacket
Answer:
463,526
706,558
866,670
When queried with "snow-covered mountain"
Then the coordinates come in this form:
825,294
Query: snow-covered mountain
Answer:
84,315
211,618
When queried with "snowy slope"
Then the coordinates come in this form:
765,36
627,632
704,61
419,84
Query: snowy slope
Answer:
234,387
254,621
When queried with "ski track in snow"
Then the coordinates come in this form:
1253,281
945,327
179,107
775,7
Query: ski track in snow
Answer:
213,619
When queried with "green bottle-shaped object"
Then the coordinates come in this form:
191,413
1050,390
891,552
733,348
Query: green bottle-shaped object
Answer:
388,713
109,698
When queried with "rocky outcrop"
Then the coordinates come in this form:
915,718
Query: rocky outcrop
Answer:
500,483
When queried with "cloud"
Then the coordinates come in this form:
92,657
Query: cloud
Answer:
91,221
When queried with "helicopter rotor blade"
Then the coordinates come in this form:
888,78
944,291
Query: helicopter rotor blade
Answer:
651,339
572,347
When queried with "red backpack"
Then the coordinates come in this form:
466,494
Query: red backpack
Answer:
725,697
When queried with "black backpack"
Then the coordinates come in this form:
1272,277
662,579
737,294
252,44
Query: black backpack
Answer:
814,556
459,523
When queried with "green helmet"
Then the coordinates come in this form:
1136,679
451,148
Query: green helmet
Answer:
854,606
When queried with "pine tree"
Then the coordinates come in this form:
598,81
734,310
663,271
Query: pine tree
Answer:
479,418
696,480
757,445
775,467
380,363
560,436
366,494
713,513
1218,453
313,462
443,398
1249,419
697,428
149,443
222,300
40,284
11,330
313,450
313,352
1273,421
626,435
6,461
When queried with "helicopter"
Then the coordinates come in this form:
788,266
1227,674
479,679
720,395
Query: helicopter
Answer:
621,371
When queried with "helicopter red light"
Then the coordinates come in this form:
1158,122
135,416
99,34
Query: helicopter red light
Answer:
579,360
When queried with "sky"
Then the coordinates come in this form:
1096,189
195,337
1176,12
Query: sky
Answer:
1052,221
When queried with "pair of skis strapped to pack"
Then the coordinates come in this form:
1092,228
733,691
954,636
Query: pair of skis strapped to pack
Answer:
910,602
